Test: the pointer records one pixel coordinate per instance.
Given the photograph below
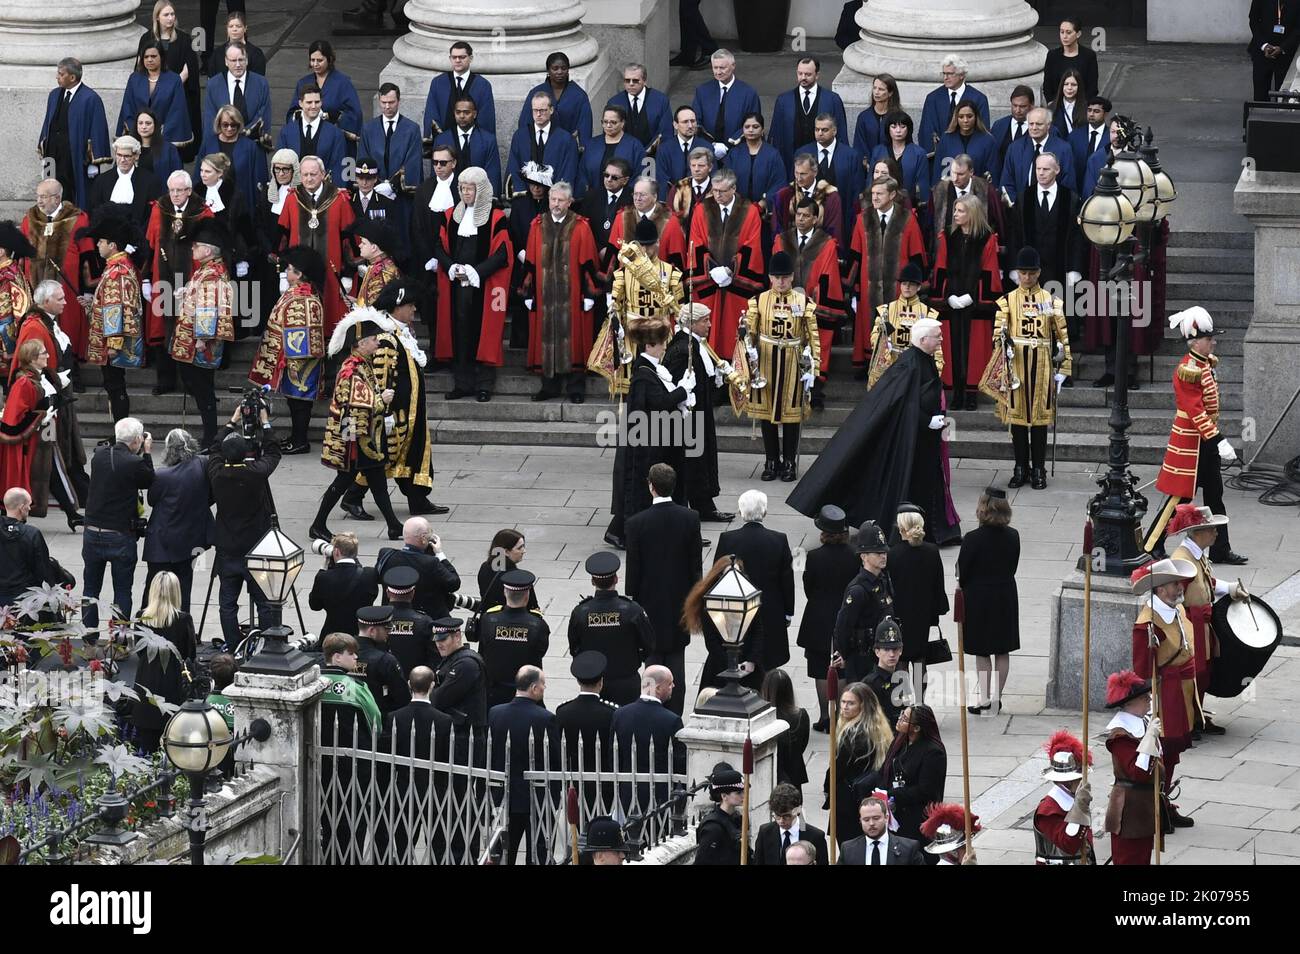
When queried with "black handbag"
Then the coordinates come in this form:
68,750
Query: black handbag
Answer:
938,651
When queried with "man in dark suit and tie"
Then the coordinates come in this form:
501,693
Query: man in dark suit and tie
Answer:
775,837
126,184
769,565
1018,167
1010,128
422,549
545,143
877,845
343,587
838,164
1049,221
602,204
310,134
248,92
475,146
649,115
418,730
723,101
1274,37
797,110
1090,139
663,563
458,81
518,721
672,158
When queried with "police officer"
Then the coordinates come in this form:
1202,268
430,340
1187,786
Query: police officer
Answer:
586,718
512,636
718,835
410,632
892,686
614,626
379,667
867,600
603,842
460,685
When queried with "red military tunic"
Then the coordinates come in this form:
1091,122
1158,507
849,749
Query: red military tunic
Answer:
874,265
495,290
332,214
1050,823
560,258
378,274
1130,813
15,301
981,328
1177,674
1196,394
739,247
58,257
167,230
817,272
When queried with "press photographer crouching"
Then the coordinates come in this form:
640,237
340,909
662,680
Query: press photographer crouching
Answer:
115,515
344,586
240,480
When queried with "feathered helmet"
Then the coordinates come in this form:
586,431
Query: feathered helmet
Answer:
537,175
1125,686
1064,757
945,827
357,324
1188,517
1194,322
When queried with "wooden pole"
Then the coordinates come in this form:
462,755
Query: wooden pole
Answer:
959,617
572,806
1087,661
747,768
833,708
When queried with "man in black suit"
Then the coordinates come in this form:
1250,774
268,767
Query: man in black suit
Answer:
1274,37
769,565
410,632
690,348
639,725
606,199
417,729
383,673
422,549
126,183
343,587
523,717
585,720
776,837
1049,218
877,845
663,563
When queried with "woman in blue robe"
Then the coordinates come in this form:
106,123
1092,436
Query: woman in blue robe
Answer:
179,57
340,103
909,156
965,134
154,87
600,149
760,171
572,106
246,156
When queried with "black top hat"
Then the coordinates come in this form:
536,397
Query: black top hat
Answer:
589,666
445,626
889,635
1027,260
781,264
603,565
308,263
604,834
400,291
211,232
831,519
380,233
12,238
647,233
401,579
366,167
517,580
911,273
374,615
870,539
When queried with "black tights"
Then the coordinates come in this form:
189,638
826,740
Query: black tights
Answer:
299,420
378,490
777,437
115,384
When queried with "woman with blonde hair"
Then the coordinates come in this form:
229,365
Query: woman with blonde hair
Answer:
160,672
178,57
24,409
698,623
965,289
920,594
863,739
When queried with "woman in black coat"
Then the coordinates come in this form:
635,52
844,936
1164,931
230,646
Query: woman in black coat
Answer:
920,597
180,518
791,744
160,672
986,573
828,570
915,770
864,738
505,553
1071,54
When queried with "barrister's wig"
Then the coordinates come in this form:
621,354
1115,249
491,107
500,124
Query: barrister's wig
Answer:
482,196
647,332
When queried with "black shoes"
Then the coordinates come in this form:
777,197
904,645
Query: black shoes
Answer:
289,448
790,472
1105,381
320,533
716,516
1017,478
577,398
395,532
355,511
545,395
455,394
484,397
159,390
1038,479
615,542
972,402
423,506
1212,728
1231,558
75,520
769,470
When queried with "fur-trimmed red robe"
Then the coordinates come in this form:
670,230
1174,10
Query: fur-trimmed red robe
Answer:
874,266
817,272
559,271
738,247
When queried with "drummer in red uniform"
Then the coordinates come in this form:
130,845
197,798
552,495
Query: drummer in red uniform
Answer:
1131,813
1062,821
1163,635
1201,528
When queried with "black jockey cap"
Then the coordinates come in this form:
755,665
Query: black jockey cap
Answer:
889,635
446,626
14,242
870,539
399,291
589,667
400,583
911,273
603,566
378,233
647,233
517,580
781,264
831,519
211,232
374,616
308,263
1028,260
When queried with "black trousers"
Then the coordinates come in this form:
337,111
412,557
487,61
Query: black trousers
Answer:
696,39
780,441
468,373
164,368
519,825
1209,478
345,479
1111,355
299,419
575,382
1030,443
1268,74
200,384
184,571
115,384
957,351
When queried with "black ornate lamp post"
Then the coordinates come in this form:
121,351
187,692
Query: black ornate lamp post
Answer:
732,604
274,564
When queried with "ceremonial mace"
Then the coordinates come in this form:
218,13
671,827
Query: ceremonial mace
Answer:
959,617
572,807
833,708
747,768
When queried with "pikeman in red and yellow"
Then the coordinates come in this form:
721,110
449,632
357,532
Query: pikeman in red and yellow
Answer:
1197,449
727,269
1201,529
1133,740
1162,643
1063,820
15,293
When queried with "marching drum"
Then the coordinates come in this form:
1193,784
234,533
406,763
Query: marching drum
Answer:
1248,632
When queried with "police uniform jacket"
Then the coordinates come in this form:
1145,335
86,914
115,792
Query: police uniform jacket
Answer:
610,623
718,838
867,600
582,720
461,688
509,638
410,638
383,675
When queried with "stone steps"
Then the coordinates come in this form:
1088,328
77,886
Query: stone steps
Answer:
1238,240
1210,261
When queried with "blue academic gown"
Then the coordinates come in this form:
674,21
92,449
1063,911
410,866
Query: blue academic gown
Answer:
741,99
167,161
915,165
780,131
589,164
249,166
561,154
483,152
938,109
1079,146
436,106
330,146
168,104
339,98
870,132
767,169
1019,163
982,148
257,97
850,177
658,112
404,152
671,164
87,133
1093,172
572,111
1001,132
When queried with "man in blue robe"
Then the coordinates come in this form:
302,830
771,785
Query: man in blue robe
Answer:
672,158
572,106
394,142
439,107
476,146
942,102
543,142
74,135
311,135
248,92
796,112
1018,167
838,164
722,102
649,115
1091,138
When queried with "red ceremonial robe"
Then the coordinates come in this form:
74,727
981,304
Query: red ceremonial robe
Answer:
1049,820
874,268
981,329
495,290
73,319
334,221
581,264
817,272
32,328
155,325
738,247
20,431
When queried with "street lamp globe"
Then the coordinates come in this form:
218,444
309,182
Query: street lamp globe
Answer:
732,604
197,738
1107,217
1137,182
274,564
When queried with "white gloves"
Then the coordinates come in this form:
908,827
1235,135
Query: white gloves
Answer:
431,265
130,249
471,274
362,268
347,285
146,288
284,283
720,150
1072,278
721,275
92,171
1015,277
965,301
1226,452
241,269
520,256
854,303
65,378
937,422
807,381
609,302
528,303
588,304
1060,380
952,302
1237,592
386,190
390,423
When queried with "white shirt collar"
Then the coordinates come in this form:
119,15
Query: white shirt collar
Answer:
829,147
341,560
960,91
544,130
72,93
655,699
424,699
1134,725
1164,610
1061,797
1050,190
584,692
884,847
724,87
793,830
464,77
887,214
658,500
1192,547
803,235
651,358
230,83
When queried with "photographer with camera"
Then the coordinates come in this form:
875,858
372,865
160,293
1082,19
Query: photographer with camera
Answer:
240,482
344,586
115,515
422,550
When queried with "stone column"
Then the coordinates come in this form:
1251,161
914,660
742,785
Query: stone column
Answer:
909,39
292,705
511,40
34,36
1114,608
631,31
712,739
